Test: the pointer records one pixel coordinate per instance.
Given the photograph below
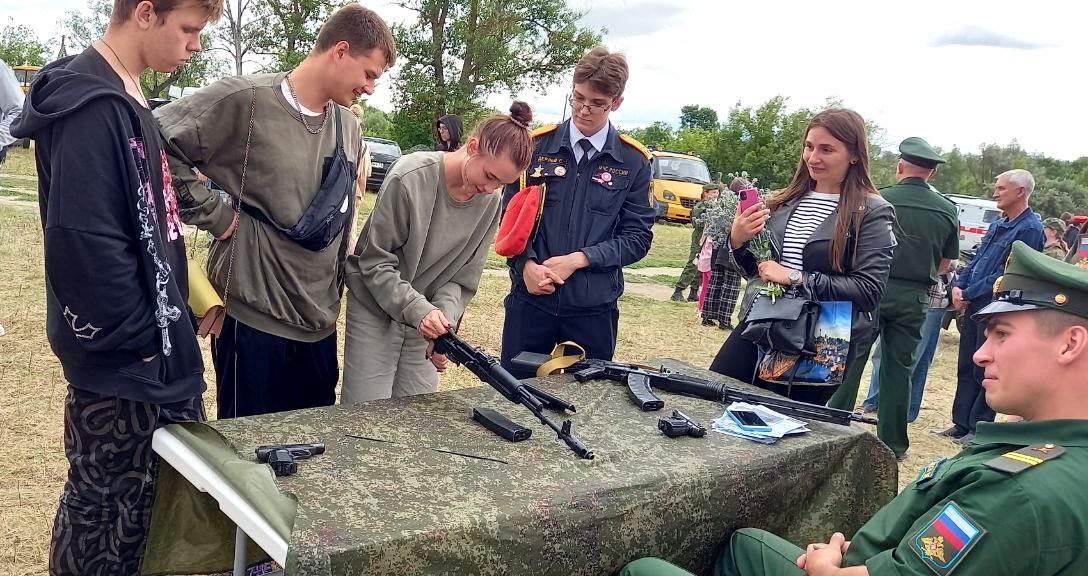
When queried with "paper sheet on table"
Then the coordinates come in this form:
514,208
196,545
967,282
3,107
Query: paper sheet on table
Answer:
781,425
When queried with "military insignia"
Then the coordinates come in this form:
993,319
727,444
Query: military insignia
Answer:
929,470
997,285
560,171
1060,299
537,173
603,177
947,539
1017,461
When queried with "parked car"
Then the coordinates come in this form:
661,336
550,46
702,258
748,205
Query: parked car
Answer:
383,154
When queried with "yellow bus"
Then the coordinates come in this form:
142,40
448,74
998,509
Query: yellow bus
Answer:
25,75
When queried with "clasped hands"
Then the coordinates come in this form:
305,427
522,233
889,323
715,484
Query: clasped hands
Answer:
820,559
543,278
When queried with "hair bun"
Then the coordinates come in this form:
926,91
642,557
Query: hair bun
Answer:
521,114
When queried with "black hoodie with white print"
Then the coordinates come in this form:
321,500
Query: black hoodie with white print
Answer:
115,267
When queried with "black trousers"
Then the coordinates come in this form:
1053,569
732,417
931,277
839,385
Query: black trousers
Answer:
530,329
106,503
738,359
258,373
969,407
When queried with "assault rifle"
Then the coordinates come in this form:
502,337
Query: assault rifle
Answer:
641,380
487,369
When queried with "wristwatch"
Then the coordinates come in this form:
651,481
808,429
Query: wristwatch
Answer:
795,277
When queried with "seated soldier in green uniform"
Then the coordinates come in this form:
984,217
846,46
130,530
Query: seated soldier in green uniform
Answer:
1013,501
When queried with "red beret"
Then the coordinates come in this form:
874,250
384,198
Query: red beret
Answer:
518,222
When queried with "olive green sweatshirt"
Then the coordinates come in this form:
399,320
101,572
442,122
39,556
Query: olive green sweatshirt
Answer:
276,285
420,249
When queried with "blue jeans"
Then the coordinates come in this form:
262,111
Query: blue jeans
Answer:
923,357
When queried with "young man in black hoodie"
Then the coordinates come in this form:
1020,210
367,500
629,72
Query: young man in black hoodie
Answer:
115,275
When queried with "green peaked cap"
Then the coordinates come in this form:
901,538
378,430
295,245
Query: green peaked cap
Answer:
1033,281
919,152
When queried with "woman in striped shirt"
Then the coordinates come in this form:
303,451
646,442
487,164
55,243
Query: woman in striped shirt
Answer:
831,232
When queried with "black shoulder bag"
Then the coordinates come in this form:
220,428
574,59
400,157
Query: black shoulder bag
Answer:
332,207
784,324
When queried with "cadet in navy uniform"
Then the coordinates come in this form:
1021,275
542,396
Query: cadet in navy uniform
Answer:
597,218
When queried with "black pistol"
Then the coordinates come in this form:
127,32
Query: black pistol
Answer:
282,457
679,424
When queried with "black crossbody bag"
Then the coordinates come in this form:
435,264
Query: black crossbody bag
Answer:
328,213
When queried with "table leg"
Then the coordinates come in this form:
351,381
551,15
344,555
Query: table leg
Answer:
239,552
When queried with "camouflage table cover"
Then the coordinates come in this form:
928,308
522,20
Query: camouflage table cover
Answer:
424,500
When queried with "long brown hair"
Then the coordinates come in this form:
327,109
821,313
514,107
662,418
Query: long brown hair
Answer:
847,127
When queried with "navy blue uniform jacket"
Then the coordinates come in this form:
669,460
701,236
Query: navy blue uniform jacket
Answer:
605,210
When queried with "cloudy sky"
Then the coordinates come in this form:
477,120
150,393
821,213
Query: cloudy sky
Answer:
956,72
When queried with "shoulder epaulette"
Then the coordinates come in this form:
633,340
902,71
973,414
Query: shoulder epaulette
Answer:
636,145
1017,461
542,130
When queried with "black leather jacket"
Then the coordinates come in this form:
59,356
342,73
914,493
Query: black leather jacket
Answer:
866,262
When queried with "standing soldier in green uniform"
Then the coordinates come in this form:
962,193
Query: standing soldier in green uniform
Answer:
1012,502
689,273
928,236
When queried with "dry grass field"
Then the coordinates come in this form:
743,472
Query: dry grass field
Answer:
33,467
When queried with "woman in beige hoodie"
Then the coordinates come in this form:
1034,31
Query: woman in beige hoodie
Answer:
420,256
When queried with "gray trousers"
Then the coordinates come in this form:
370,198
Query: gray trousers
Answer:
383,358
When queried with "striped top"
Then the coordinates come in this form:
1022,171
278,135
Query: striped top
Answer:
813,209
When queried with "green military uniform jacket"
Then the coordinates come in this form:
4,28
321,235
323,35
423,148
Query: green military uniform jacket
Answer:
927,230
966,515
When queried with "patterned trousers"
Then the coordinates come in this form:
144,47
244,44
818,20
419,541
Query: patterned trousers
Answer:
104,508
721,294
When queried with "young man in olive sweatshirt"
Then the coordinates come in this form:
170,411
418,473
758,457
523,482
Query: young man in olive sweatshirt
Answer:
279,260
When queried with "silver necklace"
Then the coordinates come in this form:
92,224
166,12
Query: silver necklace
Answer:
298,108
143,99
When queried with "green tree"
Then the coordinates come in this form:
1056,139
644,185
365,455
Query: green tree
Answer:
375,123
288,29
85,27
202,68
19,45
239,32
457,52
659,134
695,141
696,116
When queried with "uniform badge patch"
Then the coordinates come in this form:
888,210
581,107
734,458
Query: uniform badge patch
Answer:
947,539
929,470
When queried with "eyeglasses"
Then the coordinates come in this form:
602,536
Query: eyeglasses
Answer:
576,103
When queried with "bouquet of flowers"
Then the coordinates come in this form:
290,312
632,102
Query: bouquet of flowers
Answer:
717,219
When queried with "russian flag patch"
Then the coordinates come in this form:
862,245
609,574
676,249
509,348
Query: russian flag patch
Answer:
947,539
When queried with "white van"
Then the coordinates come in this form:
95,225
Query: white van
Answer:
975,214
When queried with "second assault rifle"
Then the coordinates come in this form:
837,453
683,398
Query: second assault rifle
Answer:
641,381
487,369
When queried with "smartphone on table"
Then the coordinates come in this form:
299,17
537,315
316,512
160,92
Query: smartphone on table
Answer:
748,421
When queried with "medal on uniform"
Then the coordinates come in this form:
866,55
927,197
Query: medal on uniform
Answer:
536,173
560,171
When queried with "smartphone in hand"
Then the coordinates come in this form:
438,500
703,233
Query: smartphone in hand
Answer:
748,197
